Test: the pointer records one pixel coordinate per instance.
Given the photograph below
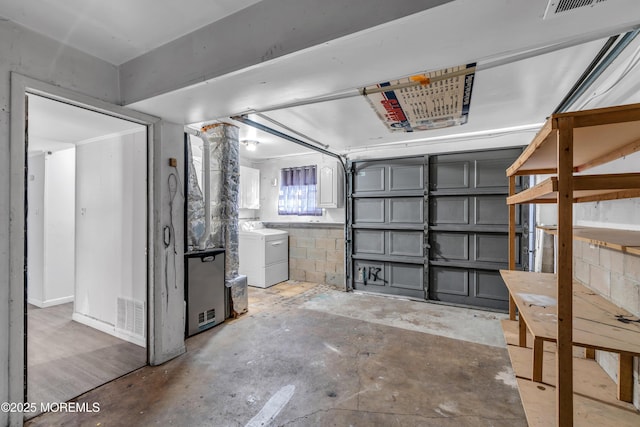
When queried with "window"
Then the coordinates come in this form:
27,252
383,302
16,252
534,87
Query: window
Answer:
298,188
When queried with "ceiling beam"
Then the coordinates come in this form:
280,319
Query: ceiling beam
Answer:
264,31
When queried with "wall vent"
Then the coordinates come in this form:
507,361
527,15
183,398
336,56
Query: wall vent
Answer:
556,7
130,316
206,317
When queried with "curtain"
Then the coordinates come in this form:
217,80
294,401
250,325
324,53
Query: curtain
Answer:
298,189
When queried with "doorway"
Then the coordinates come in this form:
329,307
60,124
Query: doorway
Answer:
86,257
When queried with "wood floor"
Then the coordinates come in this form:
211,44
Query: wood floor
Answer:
66,358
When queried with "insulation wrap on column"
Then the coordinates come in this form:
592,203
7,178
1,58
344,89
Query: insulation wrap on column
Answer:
195,204
225,153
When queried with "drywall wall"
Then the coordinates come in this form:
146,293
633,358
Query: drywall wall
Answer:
247,214
270,174
39,57
110,228
168,260
59,227
35,229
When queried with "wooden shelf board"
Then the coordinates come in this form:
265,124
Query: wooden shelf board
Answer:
510,331
590,380
634,250
595,324
618,126
539,402
619,240
585,188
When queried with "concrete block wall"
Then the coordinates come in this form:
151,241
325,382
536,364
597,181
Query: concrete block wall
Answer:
616,276
316,254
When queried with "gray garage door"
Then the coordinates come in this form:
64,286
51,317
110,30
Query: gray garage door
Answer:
468,225
388,227
432,227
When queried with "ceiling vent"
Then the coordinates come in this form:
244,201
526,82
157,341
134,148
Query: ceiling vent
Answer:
557,7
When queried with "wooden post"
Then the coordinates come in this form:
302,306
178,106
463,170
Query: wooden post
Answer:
538,354
625,377
589,353
512,242
522,332
564,356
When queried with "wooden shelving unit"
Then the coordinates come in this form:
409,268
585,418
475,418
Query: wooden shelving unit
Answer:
586,188
551,308
620,240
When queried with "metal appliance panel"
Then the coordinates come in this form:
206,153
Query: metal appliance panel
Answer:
205,290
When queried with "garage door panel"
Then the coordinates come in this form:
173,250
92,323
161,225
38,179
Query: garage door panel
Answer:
406,210
369,211
449,281
368,242
409,177
491,210
449,210
406,243
371,178
449,246
448,175
489,284
406,276
370,273
491,173
478,288
491,247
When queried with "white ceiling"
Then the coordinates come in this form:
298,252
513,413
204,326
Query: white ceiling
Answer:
54,125
117,30
521,92
525,67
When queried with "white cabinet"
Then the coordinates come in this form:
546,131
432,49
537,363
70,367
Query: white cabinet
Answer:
249,188
330,187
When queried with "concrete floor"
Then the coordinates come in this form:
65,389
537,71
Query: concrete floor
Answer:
308,355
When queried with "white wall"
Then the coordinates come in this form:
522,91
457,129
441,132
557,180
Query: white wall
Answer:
67,69
168,290
612,214
248,214
270,170
39,57
51,249
35,229
111,223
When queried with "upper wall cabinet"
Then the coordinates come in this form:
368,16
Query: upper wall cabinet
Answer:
249,188
330,185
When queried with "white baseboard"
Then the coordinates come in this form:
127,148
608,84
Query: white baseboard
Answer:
109,329
51,302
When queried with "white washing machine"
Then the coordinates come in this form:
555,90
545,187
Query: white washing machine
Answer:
264,256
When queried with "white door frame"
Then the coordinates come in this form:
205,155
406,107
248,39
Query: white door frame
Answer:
20,87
